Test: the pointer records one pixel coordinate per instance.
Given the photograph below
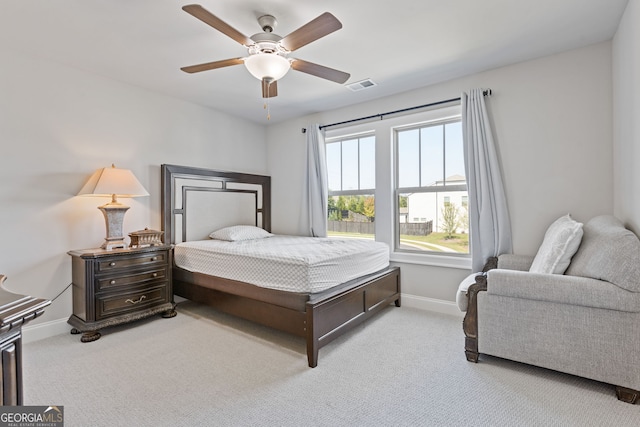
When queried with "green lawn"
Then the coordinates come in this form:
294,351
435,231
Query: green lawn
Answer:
459,243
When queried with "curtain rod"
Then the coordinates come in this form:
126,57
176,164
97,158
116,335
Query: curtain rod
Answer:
486,92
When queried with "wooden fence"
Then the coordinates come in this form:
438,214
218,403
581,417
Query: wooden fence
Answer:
351,227
406,228
416,228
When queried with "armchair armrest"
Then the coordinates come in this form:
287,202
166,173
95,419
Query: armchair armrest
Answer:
558,288
470,321
515,262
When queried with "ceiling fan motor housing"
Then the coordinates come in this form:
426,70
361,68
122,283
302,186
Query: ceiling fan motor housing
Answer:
267,43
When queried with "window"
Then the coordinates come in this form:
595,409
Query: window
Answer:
431,186
385,173
352,180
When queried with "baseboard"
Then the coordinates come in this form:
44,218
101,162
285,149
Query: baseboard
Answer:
40,331
431,304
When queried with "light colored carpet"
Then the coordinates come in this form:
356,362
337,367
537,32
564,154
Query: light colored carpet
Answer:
405,367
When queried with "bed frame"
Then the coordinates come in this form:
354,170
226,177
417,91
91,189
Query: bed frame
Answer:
319,317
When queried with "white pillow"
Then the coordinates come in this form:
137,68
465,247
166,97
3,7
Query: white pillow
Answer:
561,241
237,233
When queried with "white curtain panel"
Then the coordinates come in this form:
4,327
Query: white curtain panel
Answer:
490,227
317,187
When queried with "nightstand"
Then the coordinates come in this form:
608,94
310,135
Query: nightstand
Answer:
112,287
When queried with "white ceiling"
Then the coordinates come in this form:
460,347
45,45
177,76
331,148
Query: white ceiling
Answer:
399,44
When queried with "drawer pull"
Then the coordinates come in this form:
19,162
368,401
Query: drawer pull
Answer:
113,282
155,258
155,274
112,264
135,302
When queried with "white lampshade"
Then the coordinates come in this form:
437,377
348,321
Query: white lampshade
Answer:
115,183
110,181
267,65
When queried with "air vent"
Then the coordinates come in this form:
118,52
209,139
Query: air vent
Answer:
361,85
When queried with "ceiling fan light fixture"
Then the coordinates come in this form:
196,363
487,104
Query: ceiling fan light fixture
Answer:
267,65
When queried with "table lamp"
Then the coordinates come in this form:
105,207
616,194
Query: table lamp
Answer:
116,183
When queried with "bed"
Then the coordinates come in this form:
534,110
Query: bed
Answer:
197,201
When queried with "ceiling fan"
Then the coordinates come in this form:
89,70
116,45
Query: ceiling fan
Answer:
268,58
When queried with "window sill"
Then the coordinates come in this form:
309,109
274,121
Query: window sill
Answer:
461,262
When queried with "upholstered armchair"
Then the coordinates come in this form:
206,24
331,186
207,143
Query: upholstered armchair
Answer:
584,320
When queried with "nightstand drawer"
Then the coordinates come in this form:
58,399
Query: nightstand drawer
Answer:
123,303
109,282
121,262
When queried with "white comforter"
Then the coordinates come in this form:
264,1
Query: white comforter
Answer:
288,263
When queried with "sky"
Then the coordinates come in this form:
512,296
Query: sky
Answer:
425,155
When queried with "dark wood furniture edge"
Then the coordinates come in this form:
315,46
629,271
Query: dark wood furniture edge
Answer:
18,309
15,311
470,322
627,395
322,329
98,253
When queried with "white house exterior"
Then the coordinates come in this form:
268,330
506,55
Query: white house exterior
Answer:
424,207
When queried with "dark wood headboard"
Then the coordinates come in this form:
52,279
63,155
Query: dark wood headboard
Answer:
182,183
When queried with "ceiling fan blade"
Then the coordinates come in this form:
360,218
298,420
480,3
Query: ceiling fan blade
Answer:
269,88
212,65
209,18
311,31
320,71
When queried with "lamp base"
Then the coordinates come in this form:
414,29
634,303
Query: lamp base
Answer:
113,244
114,215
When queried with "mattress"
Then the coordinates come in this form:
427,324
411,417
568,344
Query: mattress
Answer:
287,263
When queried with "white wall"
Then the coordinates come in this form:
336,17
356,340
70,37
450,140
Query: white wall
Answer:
552,120
626,107
553,127
57,126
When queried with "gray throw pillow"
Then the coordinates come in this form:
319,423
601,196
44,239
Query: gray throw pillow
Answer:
608,252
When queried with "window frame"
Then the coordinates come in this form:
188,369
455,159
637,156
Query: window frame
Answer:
348,137
423,189
341,137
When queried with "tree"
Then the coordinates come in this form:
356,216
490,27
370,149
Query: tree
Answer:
464,218
353,203
331,202
363,205
450,220
369,207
